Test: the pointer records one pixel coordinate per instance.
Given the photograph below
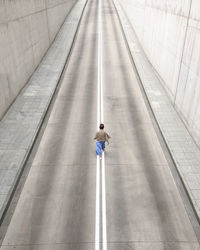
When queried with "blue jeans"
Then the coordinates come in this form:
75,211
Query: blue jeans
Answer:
100,145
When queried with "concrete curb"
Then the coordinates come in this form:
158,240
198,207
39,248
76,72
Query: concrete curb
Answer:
184,152
21,124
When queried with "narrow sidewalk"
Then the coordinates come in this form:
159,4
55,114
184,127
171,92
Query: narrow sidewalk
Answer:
185,153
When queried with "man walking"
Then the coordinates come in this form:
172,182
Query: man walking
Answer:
101,137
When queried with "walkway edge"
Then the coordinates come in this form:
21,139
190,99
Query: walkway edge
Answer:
21,124
182,148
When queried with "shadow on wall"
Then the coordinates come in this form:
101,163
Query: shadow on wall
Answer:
27,29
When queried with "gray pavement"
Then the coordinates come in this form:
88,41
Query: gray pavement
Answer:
20,125
56,209
183,149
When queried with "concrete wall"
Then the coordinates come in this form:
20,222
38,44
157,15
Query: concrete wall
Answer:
169,31
27,28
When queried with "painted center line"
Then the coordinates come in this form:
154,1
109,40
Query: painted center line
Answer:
100,166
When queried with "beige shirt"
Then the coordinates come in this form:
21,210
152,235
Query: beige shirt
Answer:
101,135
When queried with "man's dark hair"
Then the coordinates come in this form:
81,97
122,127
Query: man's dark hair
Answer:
101,126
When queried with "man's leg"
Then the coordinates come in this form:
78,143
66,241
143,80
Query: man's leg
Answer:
103,145
99,149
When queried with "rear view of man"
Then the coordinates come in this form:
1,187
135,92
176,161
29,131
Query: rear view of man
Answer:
101,137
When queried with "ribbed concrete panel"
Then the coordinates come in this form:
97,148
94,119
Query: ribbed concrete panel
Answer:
56,15
169,32
188,94
27,28
163,39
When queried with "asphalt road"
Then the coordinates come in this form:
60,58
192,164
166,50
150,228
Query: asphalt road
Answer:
56,208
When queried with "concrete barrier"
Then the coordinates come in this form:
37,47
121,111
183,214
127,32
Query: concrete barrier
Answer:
170,36
27,28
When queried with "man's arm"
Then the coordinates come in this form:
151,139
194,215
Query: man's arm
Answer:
95,137
107,138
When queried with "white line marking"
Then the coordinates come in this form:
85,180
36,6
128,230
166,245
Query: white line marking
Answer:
100,119
104,205
104,226
97,224
97,219
100,59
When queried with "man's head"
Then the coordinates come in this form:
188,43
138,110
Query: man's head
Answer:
101,126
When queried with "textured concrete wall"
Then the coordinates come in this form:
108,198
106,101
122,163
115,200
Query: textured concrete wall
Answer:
27,28
169,31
